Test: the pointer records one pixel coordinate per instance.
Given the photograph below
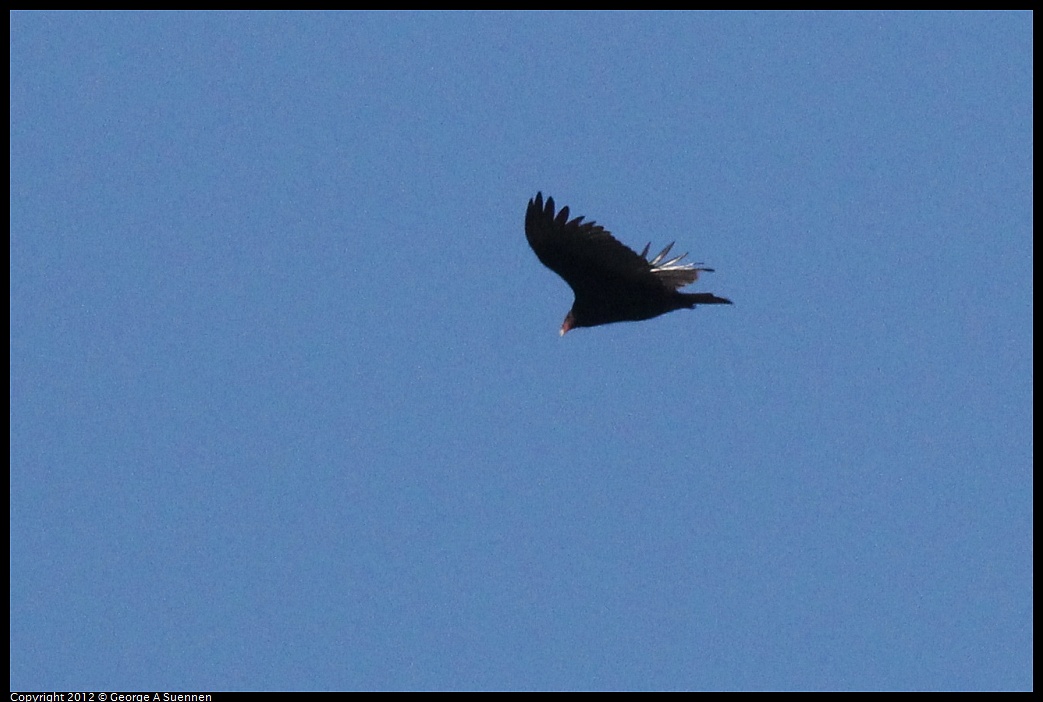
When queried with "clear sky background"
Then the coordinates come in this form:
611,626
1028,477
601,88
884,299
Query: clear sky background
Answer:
289,409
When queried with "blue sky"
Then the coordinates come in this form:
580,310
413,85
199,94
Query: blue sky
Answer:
289,409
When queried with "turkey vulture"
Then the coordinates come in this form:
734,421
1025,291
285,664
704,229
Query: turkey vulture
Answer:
611,282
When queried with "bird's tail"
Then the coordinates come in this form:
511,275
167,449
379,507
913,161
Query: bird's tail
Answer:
704,299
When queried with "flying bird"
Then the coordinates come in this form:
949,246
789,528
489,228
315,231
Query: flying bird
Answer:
611,282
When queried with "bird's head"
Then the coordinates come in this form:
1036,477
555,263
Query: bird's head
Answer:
569,323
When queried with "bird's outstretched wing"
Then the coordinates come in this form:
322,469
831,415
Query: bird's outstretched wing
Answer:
586,255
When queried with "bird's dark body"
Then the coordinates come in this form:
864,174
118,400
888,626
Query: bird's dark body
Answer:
601,305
